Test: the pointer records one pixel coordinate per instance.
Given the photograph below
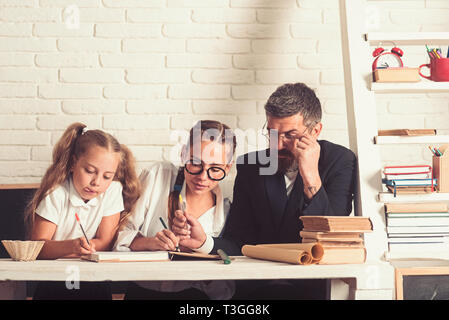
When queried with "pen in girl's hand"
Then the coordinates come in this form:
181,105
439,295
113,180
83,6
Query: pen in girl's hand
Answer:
82,229
165,227
163,223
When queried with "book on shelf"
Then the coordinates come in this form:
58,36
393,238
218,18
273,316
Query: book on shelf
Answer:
408,247
336,223
417,214
410,190
127,256
417,222
417,240
408,176
417,235
414,229
409,182
407,132
407,169
416,207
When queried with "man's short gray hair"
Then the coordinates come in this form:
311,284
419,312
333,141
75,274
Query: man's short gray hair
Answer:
293,98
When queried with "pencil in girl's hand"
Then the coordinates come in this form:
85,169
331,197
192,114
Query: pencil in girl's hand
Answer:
82,229
183,205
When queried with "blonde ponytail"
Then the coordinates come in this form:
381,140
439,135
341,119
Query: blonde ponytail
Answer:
57,173
126,174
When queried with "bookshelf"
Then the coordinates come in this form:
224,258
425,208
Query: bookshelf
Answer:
360,93
424,86
380,140
408,38
434,196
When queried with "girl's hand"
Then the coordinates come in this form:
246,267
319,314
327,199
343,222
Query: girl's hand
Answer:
164,240
189,230
81,247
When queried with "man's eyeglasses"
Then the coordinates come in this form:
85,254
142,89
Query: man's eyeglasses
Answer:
196,167
286,136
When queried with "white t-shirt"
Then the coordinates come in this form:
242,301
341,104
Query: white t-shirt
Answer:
62,203
157,183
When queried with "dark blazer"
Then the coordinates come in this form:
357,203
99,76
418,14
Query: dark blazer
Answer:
261,212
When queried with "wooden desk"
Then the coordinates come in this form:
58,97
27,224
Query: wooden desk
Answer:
365,280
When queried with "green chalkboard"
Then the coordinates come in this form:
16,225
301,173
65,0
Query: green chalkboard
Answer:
426,287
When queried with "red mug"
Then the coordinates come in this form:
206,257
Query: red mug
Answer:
439,69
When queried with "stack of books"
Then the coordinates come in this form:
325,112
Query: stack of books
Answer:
340,237
409,179
417,230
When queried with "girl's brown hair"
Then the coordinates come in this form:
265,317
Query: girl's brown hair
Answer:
209,130
72,145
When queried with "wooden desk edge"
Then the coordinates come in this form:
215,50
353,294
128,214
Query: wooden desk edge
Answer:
19,186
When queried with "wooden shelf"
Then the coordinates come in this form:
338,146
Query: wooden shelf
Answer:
412,87
411,38
413,198
411,139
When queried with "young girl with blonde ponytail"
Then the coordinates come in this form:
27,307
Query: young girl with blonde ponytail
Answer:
92,175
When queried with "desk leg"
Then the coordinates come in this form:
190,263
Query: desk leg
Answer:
372,294
346,289
340,289
12,290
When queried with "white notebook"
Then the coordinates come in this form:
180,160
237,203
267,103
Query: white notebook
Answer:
127,256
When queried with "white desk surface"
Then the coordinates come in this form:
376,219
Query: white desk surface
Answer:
367,275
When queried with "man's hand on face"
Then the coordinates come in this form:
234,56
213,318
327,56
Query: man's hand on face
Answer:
306,150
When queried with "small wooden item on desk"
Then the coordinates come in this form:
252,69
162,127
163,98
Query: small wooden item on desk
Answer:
397,75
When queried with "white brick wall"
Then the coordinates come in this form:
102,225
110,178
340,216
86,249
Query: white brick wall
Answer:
144,69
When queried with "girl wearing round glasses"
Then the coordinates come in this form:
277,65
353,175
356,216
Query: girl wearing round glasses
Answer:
207,159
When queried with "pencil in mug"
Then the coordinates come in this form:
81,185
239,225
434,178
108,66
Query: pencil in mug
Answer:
82,229
432,150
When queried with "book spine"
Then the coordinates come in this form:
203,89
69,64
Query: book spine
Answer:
418,222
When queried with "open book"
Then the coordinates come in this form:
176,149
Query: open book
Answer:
127,256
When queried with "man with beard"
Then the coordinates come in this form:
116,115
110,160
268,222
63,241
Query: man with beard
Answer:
313,177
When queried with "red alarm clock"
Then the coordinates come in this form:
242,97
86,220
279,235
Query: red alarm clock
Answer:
385,59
